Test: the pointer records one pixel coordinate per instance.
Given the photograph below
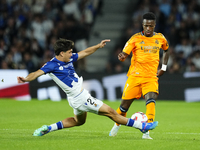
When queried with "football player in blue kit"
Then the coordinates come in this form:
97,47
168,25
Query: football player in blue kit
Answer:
61,70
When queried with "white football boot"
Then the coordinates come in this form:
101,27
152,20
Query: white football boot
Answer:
114,130
146,136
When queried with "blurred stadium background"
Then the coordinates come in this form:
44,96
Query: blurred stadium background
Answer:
28,29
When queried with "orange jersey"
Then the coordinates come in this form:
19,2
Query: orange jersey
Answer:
145,53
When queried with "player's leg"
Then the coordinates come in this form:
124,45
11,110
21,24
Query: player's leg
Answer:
80,114
150,91
122,110
77,120
150,105
93,105
106,110
150,111
131,91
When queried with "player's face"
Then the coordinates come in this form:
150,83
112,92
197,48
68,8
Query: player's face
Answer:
148,27
67,55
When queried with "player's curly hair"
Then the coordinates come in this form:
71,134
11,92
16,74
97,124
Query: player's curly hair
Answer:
149,16
63,45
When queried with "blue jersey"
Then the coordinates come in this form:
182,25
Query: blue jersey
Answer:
64,75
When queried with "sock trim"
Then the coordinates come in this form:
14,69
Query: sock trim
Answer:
124,110
130,122
59,125
150,100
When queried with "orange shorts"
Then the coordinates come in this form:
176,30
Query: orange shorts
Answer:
135,87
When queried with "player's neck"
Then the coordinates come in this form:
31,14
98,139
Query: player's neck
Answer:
148,35
60,58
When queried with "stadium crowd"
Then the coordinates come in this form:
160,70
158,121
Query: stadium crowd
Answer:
28,29
178,21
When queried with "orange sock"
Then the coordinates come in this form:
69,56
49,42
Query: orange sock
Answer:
121,113
150,111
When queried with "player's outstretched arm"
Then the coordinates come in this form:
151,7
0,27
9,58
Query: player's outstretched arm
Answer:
90,50
164,63
32,76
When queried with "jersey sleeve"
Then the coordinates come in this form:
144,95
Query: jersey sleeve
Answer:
130,45
47,67
74,57
165,45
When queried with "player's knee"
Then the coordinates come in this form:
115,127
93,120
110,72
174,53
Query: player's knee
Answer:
151,95
79,123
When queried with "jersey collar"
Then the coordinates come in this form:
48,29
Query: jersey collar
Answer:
142,33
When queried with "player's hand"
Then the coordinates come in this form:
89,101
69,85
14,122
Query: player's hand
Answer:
103,43
121,56
160,72
21,79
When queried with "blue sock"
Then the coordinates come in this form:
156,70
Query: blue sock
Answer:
134,123
59,125
130,122
56,126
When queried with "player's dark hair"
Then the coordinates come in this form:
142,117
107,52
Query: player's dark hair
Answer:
63,45
149,16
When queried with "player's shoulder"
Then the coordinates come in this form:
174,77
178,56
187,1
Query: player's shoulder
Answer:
159,34
52,62
135,36
139,34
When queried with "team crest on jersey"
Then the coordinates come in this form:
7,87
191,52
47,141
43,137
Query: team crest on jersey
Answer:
61,68
157,42
142,42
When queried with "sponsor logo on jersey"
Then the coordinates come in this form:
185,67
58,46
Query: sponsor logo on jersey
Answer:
150,49
142,42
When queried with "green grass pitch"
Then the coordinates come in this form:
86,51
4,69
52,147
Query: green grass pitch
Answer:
178,128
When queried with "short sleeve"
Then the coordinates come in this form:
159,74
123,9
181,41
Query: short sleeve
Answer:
48,67
165,44
130,45
74,57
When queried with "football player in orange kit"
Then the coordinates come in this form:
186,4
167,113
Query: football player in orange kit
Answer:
143,71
